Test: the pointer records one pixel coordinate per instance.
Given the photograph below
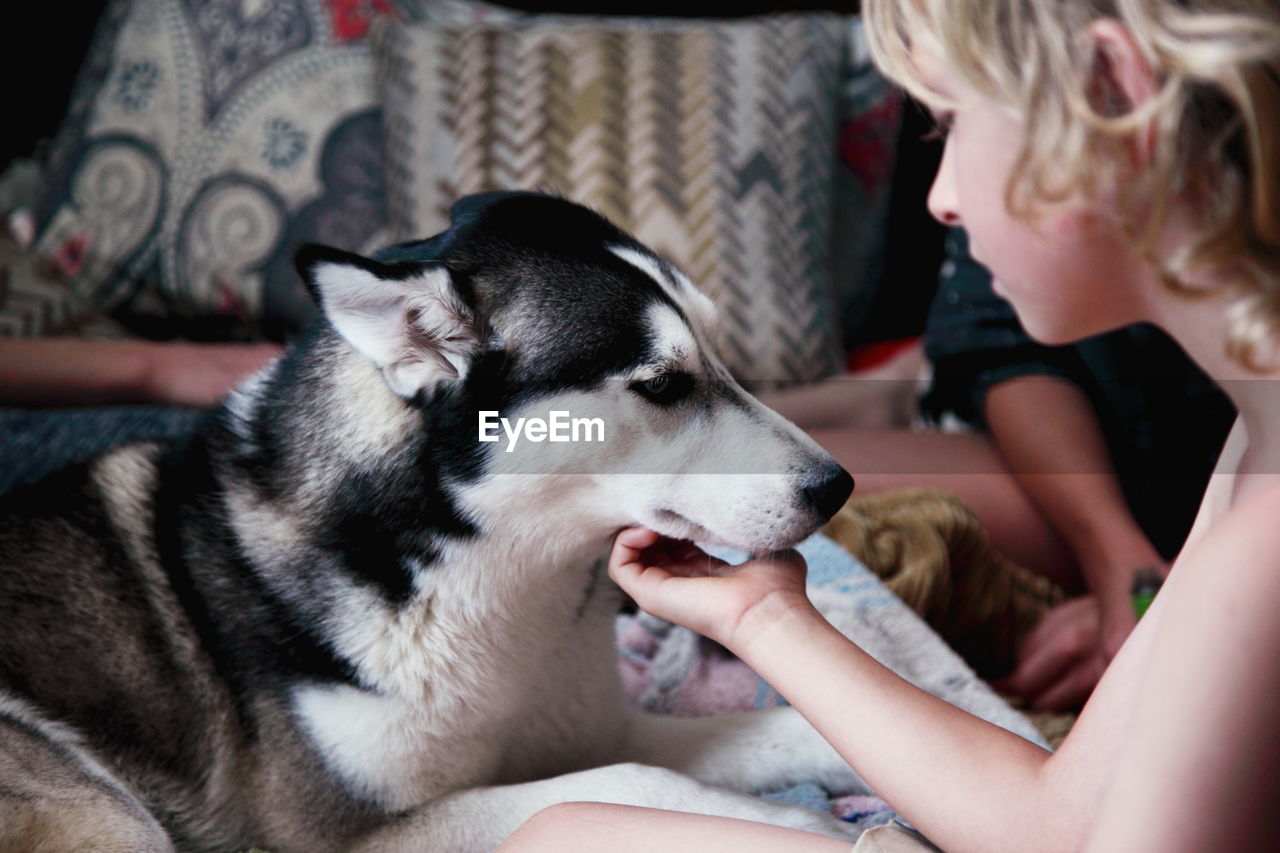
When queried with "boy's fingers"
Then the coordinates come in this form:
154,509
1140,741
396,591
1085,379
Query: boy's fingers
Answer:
638,552
628,544
639,544
637,537
635,577
625,570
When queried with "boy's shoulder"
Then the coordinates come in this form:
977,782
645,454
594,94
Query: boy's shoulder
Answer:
1255,499
1246,537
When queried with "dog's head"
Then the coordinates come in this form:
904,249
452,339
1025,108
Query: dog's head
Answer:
540,313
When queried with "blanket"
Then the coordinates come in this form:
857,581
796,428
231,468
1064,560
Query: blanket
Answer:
667,669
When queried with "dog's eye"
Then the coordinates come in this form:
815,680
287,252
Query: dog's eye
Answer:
664,389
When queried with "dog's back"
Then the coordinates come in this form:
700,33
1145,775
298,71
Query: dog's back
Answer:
139,707
95,639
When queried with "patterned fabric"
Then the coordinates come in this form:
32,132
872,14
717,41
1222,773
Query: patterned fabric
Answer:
713,142
206,138
34,303
869,121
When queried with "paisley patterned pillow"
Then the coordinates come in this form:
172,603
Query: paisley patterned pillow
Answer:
206,138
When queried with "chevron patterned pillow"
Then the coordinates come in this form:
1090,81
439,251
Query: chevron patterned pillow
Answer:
713,141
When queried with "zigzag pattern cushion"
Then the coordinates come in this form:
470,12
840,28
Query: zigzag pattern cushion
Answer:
869,119
205,140
713,142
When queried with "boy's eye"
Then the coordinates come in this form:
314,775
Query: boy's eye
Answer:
665,388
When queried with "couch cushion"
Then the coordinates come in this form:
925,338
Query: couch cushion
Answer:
713,141
869,120
206,139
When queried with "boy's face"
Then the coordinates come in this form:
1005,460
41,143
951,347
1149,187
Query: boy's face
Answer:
1065,273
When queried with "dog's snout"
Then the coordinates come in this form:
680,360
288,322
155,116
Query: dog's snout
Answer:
826,497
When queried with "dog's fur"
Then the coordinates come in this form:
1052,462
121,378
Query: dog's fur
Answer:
335,620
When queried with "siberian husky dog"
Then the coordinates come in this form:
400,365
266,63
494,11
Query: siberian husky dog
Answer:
364,606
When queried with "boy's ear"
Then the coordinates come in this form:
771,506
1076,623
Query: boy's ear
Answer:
407,318
1123,80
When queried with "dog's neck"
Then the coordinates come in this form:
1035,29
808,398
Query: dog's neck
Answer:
330,474
485,603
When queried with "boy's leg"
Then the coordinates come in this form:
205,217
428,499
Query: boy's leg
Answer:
593,827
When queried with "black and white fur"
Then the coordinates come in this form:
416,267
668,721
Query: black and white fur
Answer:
335,620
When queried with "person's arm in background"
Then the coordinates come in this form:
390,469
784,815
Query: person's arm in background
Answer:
1046,430
83,372
1029,399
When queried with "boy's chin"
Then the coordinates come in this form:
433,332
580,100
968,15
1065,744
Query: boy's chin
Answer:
1056,335
1052,337
1053,332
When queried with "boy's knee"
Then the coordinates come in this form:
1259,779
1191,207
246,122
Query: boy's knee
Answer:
547,828
561,815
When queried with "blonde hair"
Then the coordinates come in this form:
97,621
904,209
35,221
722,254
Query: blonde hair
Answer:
1216,120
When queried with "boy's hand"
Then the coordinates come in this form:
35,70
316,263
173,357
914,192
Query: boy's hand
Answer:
678,581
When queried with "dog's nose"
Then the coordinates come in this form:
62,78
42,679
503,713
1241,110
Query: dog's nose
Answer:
829,495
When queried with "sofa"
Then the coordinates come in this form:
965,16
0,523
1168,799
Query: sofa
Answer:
162,193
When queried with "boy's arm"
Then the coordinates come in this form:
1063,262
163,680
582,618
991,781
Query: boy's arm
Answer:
965,783
1177,749
1199,768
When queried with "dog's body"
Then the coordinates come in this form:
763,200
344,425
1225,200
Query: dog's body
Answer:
335,620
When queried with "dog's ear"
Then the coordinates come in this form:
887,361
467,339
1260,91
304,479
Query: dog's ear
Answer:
407,318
